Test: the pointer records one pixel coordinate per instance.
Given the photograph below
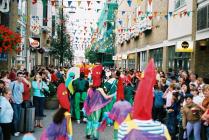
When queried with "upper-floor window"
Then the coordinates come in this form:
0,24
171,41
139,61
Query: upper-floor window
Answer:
203,18
179,3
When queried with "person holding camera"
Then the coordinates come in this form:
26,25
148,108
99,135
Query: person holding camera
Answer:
38,88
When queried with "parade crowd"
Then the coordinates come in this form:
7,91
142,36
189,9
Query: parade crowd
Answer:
172,105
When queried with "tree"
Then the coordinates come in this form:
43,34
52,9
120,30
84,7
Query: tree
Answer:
91,55
60,51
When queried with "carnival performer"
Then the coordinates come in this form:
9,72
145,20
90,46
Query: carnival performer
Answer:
80,86
111,87
95,101
69,85
61,127
142,126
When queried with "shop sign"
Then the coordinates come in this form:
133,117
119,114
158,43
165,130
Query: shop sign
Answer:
124,56
184,46
34,42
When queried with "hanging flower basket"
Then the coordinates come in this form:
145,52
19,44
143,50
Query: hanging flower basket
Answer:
9,40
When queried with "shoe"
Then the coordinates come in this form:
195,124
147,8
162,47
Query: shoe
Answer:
88,137
16,134
40,126
84,119
78,121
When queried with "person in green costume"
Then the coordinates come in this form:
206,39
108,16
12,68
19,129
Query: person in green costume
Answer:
80,86
129,92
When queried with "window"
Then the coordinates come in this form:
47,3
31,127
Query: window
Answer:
202,18
179,3
157,54
178,60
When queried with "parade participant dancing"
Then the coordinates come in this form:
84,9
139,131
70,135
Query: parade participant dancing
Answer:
61,127
142,126
80,86
96,100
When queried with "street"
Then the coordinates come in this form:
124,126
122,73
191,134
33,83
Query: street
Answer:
78,130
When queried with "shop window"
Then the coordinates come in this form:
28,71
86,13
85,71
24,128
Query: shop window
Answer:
202,18
157,54
179,3
178,60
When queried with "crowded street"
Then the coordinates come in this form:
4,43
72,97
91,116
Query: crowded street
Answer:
104,69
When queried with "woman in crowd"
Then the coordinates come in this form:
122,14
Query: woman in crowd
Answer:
6,113
38,87
191,118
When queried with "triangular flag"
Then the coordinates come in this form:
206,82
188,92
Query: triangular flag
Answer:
120,22
166,17
150,2
188,13
88,2
98,2
129,2
69,3
170,14
98,10
139,13
123,12
79,3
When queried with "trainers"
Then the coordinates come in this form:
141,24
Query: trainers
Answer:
78,121
16,134
84,119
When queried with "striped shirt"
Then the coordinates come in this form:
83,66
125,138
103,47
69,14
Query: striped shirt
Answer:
150,126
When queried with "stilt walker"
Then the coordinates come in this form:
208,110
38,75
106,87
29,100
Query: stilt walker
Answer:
142,126
96,100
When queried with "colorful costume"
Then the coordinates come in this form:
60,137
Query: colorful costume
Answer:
142,125
62,131
94,103
111,87
80,86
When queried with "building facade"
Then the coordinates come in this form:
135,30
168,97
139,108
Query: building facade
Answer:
175,33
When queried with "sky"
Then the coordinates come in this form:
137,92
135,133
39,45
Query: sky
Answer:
79,24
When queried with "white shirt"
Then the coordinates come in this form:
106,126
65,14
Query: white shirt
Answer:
198,99
6,111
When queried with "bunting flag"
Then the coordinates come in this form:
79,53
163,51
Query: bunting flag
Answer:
120,22
98,2
79,3
88,2
129,2
69,3
123,12
98,10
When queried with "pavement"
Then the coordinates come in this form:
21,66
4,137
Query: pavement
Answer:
78,129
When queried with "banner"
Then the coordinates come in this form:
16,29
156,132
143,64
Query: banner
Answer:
184,46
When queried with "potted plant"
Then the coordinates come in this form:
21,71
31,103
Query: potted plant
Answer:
51,99
9,40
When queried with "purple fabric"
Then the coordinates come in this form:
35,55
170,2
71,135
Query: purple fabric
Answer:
94,101
142,135
120,111
56,131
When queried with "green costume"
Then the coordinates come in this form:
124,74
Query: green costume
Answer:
111,88
129,93
93,124
80,86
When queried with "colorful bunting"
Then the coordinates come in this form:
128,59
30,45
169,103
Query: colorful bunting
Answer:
88,2
79,3
69,3
129,2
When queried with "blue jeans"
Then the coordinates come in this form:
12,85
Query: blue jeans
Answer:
196,127
39,107
207,132
16,117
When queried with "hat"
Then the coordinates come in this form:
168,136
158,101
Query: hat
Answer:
142,108
97,75
63,96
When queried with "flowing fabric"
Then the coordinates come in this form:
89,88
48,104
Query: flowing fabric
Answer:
120,90
56,131
142,108
69,79
142,135
120,111
94,101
